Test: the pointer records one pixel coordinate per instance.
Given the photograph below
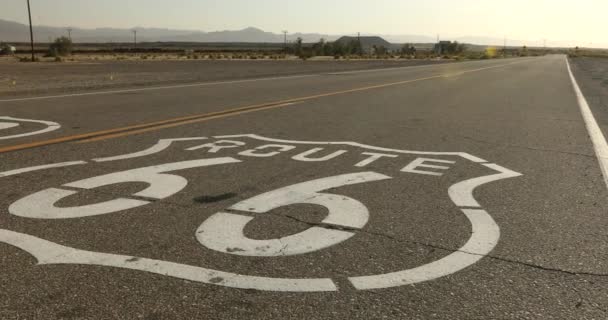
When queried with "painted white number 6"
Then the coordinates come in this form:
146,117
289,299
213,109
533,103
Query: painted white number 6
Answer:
41,205
224,232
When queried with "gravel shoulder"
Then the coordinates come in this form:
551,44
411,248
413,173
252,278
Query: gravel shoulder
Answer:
592,76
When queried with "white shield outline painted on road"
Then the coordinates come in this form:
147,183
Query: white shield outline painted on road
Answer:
485,234
10,122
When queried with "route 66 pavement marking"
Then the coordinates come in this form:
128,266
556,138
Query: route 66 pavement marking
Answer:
223,231
11,122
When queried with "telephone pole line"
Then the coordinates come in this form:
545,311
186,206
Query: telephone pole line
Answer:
285,40
360,45
134,38
29,13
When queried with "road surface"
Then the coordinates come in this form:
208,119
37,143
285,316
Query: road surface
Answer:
460,191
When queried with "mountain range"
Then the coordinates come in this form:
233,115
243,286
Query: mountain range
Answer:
17,32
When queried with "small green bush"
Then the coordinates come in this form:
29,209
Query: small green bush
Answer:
61,47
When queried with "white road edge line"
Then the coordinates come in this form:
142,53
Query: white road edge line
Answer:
597,137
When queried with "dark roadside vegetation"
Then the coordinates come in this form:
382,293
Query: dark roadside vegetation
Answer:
62,49
111,65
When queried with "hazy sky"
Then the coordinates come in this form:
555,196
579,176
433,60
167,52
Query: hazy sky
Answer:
565,20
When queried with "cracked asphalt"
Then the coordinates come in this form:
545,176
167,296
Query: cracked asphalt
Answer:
396,145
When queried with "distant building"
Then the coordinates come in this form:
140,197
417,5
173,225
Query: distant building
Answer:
368,44
442,47
6,49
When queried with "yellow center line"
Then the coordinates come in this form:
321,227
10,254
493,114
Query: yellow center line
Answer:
180,121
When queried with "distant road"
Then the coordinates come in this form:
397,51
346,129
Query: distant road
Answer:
108,73
454,191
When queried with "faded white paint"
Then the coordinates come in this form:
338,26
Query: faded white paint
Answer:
8,125
160,146
343,211
414,166
41,205
354,144
224,232
484,237
255,152
50,126
373,157
305,156
462,193
39,168
49,253
215,147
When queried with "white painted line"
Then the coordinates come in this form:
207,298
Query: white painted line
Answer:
224,232
199,84
595,132
160,146
8,125
462,193
355,144
51,126
342,210
305,155
48,253
484,237
41,205
42,167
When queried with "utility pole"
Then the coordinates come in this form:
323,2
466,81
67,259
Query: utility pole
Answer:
438,48
285,40
69,33
134,38
504,48
29,13
360,45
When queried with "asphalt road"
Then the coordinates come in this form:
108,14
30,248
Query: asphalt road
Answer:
18,79
456,191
